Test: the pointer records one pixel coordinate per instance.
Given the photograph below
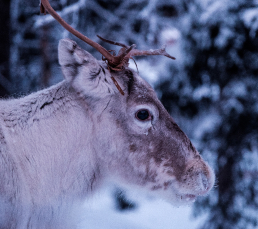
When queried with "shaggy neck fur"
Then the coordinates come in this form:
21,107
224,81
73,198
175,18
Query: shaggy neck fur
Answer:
41,155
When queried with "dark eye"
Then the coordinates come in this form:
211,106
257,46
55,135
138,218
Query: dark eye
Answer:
143,115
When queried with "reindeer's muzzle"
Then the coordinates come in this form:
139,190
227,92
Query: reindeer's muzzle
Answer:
197,180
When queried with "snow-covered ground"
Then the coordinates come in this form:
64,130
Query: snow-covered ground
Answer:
100,213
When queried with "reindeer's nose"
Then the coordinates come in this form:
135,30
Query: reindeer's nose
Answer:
205,182
199,177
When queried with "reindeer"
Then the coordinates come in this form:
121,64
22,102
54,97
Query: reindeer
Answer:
58,145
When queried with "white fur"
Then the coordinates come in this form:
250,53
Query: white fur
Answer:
58,145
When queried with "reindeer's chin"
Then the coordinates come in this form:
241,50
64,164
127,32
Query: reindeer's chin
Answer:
176,197
181,199
188,198
184,198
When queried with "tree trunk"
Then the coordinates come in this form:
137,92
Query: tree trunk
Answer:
4,46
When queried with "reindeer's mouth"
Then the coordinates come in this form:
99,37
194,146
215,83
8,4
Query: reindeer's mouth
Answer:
187,197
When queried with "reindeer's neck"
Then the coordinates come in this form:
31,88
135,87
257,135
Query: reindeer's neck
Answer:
23,112
49,135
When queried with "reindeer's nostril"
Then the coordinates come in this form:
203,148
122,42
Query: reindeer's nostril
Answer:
205,181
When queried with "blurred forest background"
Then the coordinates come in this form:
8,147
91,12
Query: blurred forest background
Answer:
211,90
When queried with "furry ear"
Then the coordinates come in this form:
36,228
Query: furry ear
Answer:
86,74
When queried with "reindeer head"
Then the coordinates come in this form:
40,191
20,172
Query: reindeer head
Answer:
137,140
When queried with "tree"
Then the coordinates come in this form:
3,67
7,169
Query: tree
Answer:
35,37
4,47
216,91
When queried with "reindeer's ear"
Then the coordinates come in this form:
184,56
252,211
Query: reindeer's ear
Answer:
85,73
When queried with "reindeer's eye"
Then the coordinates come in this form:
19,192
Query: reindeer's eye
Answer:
143,115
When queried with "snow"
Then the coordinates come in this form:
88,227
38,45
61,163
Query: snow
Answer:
100,212
170,35
146,70
148,9
249,157
224,36
207,91
155,68
213,8
207,123
235,98
46,19
250,18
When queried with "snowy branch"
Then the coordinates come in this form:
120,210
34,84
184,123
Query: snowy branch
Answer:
42,21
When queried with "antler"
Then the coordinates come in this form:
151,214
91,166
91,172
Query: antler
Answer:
44,5
113,61
137,52
116,63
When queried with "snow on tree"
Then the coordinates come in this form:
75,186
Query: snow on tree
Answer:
35,37
211,89
216,91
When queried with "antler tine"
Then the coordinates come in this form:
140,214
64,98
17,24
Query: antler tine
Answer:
113,42
136,52
116,63
161,51
123,52
44,5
